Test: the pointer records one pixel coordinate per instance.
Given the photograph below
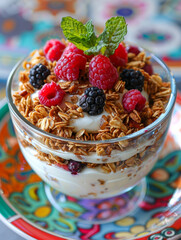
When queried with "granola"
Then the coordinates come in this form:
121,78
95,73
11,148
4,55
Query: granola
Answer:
157,90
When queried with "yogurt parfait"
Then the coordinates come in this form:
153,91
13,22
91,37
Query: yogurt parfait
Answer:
91,112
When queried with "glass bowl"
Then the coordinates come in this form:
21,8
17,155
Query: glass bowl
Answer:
122,162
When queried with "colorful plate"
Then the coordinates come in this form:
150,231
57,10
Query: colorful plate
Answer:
25,208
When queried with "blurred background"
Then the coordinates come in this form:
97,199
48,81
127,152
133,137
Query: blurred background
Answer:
26,25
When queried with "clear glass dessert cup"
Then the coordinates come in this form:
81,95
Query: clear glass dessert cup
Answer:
123,162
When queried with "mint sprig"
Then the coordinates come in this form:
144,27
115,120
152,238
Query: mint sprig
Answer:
83,36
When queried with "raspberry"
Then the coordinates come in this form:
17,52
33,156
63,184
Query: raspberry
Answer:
53,49
51,94
148,68
133,49
134,79
74,166
71,48
64,166
102,73
68,66
38,74
120,56
93,101
133,99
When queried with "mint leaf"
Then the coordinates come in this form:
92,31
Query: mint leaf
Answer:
94,50
113,34
90,32
99,47
81,35
111,37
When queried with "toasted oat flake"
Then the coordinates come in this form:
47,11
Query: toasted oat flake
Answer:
23,77
74,99
42,110
28,87
135,116
100,151
130,162
138,64
63,115
119,86
45,124
131,55
116,122
80,133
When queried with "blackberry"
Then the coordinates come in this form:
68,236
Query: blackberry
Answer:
93,101
133,79
38,74
74,167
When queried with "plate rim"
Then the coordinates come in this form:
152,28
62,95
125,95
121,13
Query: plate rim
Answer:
15,229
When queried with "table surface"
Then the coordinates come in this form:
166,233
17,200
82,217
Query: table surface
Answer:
27,32
8,233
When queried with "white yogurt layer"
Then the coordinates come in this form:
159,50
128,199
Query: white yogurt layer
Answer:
89,123
90,182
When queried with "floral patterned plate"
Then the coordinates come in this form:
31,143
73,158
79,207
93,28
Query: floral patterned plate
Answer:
25,207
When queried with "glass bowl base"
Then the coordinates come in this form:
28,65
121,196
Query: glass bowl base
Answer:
96,211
